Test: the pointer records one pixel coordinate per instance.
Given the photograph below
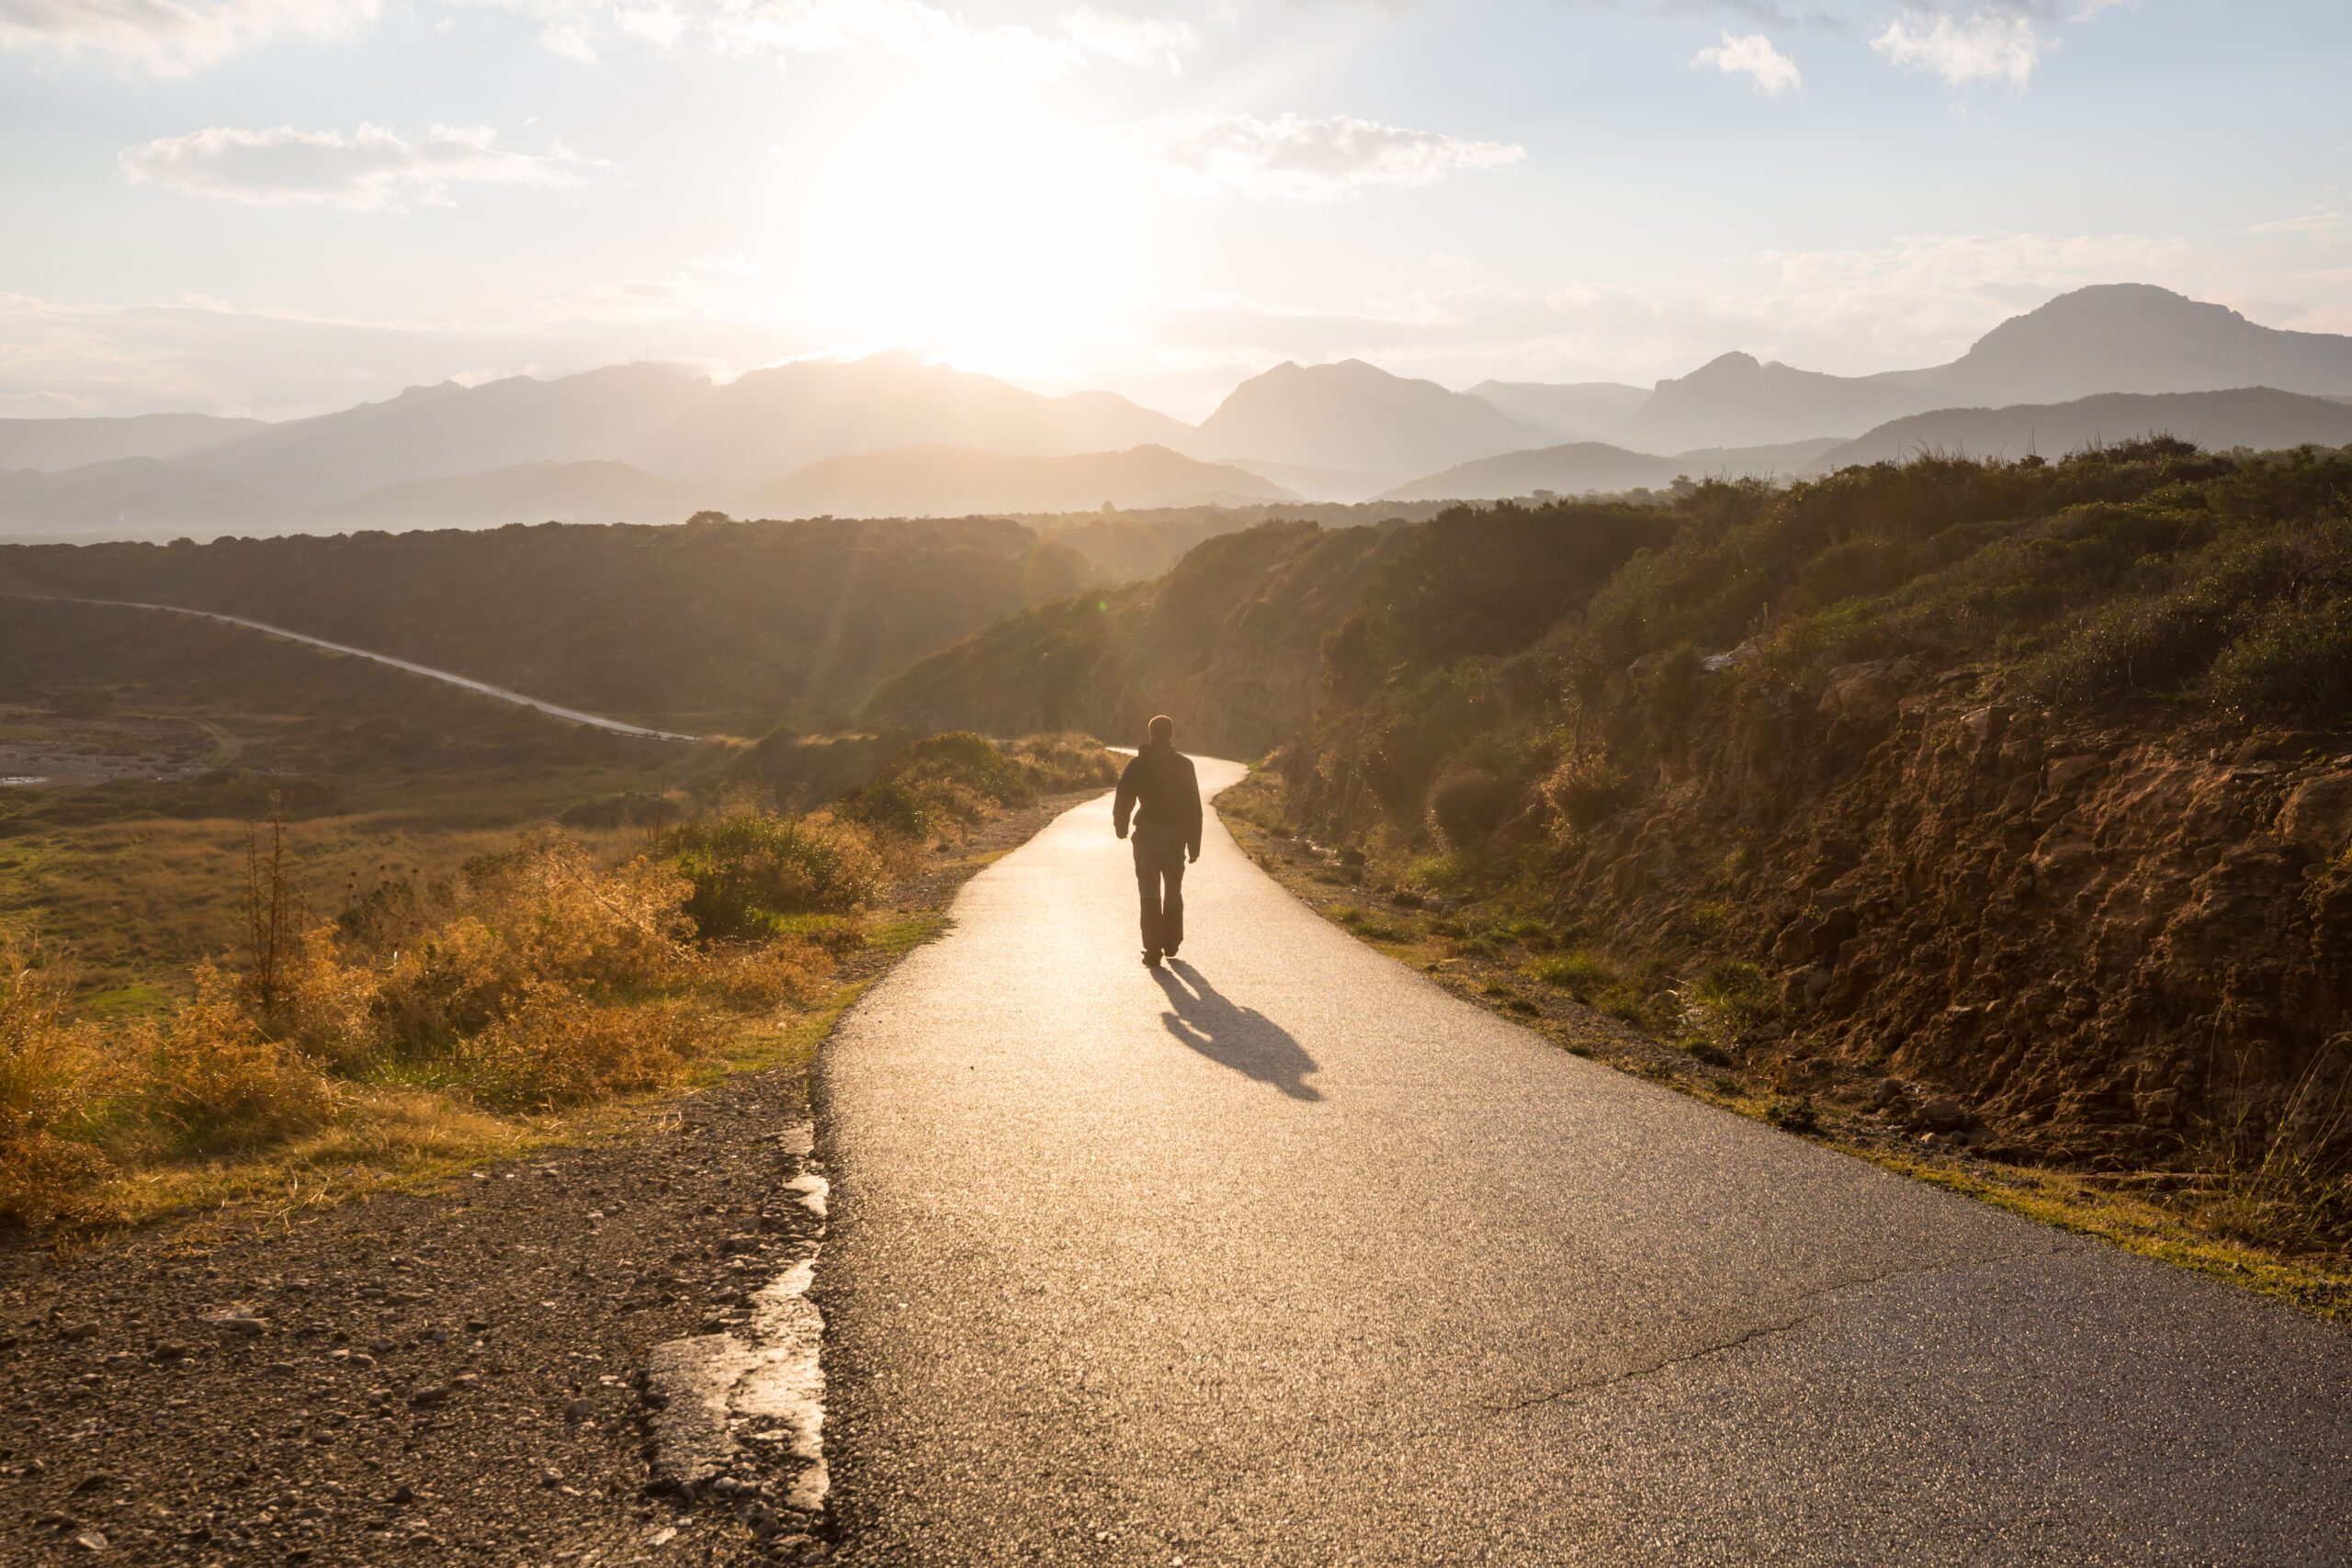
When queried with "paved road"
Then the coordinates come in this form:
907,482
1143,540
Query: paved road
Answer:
553,710
1286,1257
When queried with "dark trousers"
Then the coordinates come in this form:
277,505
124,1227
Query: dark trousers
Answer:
1160,880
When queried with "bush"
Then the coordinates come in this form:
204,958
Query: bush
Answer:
212,1082
888,806
420,972
1587,788
964,766
53,1092
1469,804
748,870
2295,659
559,1049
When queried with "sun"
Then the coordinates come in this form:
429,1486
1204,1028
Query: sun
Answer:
997,234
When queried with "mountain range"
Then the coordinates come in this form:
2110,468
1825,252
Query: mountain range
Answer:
889,435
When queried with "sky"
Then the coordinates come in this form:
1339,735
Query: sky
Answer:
283,207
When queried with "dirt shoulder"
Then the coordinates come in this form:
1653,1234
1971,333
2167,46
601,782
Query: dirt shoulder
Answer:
446,1376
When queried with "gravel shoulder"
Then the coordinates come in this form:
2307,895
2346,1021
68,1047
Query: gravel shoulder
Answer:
447,1377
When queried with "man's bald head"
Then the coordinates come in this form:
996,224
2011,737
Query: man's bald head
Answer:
1163,728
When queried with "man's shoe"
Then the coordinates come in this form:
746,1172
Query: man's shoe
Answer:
1150,959
1169,952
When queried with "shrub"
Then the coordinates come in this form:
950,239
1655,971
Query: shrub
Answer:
962,764
1064,762
54,1089
1469,804
2295,659
1587,788
748,869
888,806
558,1049
212,1082
444,964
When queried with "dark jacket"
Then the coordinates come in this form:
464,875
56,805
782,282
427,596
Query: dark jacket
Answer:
1161,780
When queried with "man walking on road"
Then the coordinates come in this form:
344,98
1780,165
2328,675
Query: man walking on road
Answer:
1168,834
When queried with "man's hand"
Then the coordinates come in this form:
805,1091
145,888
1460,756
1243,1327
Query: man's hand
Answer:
1120,828
1191,852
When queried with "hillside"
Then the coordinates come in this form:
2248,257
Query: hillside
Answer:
534,493
1738,401
1226,641
49,444
946,481
1569,470
447,430
768,423
2258,418
759,426
1568,410
1592,467
1229,642
1356,418
2133,337
710,625
2124,337
130,496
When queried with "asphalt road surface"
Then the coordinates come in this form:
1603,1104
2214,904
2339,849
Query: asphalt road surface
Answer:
1283,1256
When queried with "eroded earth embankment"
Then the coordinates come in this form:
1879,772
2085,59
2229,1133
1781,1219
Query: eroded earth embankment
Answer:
2113,945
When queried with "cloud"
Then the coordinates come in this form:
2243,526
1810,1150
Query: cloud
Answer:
1982,46
1295,159
1753,56
911,30
373,170
1992,40
171,37
1131,41
2322,223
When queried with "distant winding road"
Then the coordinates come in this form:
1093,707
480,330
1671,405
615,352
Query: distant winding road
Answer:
554,710
1283,1256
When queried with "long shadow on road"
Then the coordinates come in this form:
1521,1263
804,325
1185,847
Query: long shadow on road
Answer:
1241,1038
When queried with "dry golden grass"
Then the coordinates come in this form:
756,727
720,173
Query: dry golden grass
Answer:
457,1009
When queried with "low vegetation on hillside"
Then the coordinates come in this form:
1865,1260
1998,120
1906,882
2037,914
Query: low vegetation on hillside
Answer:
711,625
2020,785
1228,641
437,1016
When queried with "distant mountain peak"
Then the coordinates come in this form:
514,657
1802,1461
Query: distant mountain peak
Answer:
1737,363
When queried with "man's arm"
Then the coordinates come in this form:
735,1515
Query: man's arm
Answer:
1124,802
1193,798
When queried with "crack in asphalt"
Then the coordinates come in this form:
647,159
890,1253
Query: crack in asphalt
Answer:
1810,1303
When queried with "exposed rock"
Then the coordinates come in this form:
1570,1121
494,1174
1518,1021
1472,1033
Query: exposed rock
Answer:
1868,693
